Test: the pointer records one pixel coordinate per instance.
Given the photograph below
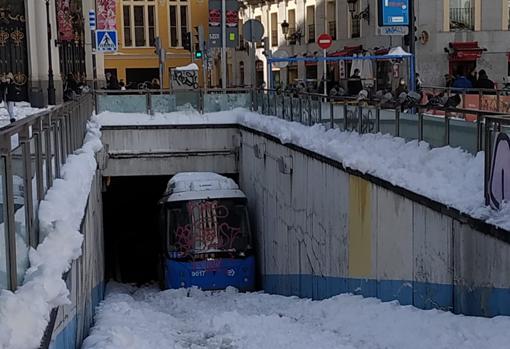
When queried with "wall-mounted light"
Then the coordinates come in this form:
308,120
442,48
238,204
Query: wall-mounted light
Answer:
365,14
285,28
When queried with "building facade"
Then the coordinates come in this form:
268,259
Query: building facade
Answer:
138,23
451,35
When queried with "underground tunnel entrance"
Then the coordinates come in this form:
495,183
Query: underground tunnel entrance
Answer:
130,207
131,227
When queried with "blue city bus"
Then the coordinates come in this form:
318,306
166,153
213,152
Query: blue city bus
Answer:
205,234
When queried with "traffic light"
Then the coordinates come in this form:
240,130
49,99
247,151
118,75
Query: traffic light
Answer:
198,39
407,41
198,54
186,41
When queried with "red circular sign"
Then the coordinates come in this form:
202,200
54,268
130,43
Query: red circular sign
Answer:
324,41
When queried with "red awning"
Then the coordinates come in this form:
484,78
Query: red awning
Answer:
347,51
465,51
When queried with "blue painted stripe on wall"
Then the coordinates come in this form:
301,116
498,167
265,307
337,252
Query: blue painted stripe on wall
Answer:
474,301
66,339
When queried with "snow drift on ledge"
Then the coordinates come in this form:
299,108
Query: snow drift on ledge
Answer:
448,175
24,314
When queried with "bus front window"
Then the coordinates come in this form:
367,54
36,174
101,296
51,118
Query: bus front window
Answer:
208,226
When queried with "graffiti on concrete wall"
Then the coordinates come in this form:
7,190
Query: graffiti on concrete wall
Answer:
184,79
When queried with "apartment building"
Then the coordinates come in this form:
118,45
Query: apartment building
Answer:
451,35
138,23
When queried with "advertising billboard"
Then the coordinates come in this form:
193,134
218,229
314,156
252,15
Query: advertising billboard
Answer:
393,12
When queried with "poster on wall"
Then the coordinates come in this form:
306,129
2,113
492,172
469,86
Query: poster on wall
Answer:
106,16
64,21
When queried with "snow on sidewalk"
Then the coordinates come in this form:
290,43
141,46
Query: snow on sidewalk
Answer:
147,318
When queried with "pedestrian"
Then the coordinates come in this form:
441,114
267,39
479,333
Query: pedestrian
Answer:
461,81
155,84
113,83
122,85
11,95
419,83
70,88
354,85
484,81
401,88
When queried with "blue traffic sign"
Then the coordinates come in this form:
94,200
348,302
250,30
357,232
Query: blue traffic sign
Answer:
393,12
106,40
92,19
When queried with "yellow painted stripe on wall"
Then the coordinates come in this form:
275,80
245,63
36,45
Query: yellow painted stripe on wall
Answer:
360,227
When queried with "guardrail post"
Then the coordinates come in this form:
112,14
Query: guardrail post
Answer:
378,120
283,107
345,117
489,123
300,110
291,108
10,238
148,101
331,115
479,132
420,126
446,128
360,119
397,122
309,110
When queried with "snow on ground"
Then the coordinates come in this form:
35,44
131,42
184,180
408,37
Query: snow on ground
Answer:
448,175
21,110
24,314
149,318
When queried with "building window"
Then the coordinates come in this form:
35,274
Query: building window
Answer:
462,15
259,43
508,10
355,23
139,22
292,27
310,20
178,22
274,29
332,19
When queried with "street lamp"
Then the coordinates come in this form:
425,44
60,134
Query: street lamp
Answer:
51,83
365,14
285,28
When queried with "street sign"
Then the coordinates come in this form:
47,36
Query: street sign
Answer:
393,12
92,19
324,41
393,30
280,54
253,30
106,40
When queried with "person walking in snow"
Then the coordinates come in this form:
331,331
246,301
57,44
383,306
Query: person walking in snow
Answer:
11,93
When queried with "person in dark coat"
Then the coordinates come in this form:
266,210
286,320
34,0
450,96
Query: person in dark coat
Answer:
484,81
11,94
354,86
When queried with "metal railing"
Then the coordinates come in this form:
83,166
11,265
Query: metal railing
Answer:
462,18
438,126
32,153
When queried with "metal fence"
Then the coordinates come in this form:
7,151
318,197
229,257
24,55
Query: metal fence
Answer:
32,153
438,126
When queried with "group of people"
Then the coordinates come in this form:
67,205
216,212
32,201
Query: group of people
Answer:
112,83
462,80
73,86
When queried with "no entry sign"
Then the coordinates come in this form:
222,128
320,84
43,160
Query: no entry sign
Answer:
324,41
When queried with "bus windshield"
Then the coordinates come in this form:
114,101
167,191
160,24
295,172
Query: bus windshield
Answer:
207,226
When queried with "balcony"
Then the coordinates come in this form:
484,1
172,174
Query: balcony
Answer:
332,29
274,37
462,18
311,33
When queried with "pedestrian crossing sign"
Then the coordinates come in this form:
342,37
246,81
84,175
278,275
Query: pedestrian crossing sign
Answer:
106,41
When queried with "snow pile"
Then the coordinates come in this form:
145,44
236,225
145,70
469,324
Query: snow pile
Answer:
24,314
191,66
21,110
147,318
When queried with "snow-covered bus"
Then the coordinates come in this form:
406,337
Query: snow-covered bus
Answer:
205,234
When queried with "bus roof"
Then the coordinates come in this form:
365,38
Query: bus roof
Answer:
201,185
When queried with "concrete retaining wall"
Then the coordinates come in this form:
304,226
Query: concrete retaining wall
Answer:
85,280
322,230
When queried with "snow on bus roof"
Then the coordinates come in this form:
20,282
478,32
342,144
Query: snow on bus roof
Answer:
199,181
